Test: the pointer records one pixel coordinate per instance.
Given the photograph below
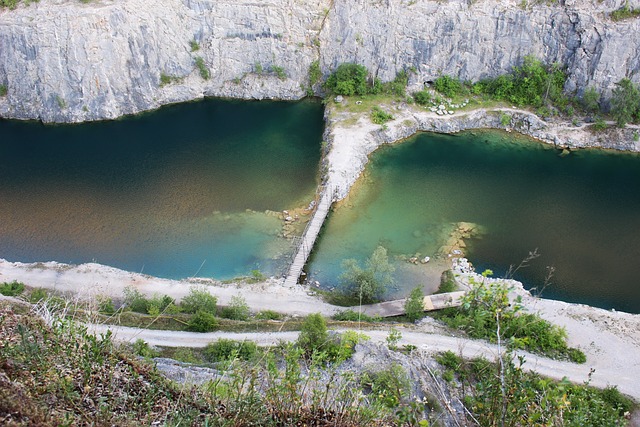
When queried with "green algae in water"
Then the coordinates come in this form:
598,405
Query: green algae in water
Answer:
173,193
581,212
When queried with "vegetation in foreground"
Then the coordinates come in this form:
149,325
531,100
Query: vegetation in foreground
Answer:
59,374
509,396
487,313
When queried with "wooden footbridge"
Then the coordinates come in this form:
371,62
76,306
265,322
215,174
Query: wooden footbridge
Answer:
309,237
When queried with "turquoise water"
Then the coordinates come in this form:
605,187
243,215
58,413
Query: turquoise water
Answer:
581,212
178,192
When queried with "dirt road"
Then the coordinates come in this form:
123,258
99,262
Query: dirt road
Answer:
603,376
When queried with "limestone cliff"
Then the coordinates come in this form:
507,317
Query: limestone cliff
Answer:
66,61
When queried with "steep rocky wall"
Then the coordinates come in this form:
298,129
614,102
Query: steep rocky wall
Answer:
68,61
476,39
65,61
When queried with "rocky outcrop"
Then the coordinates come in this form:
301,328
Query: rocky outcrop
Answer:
66,61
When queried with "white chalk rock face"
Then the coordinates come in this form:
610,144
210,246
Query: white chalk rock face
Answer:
65,61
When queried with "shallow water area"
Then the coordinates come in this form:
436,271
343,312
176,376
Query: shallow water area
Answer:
580,212
183,191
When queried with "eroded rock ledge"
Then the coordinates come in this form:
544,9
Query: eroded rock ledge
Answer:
65,61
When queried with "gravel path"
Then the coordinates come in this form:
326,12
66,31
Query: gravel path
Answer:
626,381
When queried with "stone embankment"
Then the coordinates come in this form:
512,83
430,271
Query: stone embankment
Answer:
71,61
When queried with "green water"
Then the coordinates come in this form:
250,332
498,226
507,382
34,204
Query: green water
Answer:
582,213
165,193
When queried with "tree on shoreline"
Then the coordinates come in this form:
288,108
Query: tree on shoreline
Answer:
367,284
625,102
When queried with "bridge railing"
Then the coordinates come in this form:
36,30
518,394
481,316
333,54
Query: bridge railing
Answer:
299,242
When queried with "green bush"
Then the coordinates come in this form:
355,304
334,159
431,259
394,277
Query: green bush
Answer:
159,304
379,116
448,86
279,71
505,119
202,321
11,289
184,354
450,360
226,349
256,276
202,68
194,45
525,398
532,84
422,98
486,304
238,309
134,300
599,125
353,316
166,79
37,295
142,348
576,355
105,305
11,4
613,397
348,79
315,74
398,85
625,12
414,305
199,299
269,315
3,89
389,386
590,100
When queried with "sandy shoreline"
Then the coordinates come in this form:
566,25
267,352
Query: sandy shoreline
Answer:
90,280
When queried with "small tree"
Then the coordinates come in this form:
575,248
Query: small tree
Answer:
625,102
199,299
414,305
448,86
368,284
313,334
591,100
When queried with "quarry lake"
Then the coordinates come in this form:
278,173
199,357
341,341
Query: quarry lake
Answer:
178,192
581,212
184,191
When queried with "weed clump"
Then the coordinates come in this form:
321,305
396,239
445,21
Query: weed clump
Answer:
11,289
